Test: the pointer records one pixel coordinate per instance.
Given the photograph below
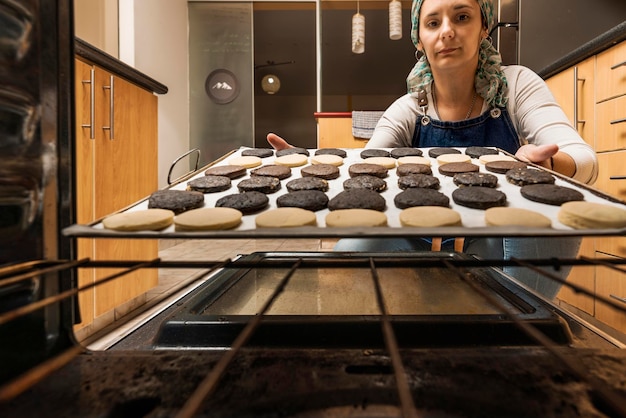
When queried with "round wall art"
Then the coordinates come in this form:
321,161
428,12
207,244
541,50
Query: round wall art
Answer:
222,86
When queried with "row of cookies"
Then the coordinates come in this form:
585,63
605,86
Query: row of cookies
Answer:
359,181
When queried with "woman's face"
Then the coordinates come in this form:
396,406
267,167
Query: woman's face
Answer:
450,32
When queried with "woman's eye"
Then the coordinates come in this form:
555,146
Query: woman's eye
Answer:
463,17
431,24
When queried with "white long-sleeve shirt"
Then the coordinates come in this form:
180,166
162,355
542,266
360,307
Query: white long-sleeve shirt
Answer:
537,117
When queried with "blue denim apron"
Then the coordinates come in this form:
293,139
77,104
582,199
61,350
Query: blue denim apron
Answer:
491,129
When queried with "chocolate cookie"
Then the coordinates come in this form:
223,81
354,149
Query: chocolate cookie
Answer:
258,152
357,199
313,200
209,184
478,197
372,152
413,168
279,171
420,197
246,203
323,171
475,179
418,180
292,150
524,176
332,151
360,169
436,152
177,201
230,171
405,152
477,152
307,183
550,194
259,184
451,169
365,182
502,167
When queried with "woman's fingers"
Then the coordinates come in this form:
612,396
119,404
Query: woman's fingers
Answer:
538,154
277,142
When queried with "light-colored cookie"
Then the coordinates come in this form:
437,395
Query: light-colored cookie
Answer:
414,159
484,159
429,216
285,218
386,162
355,217
505,216
248,161
292,160
327,159
453,158
208,219
589,215
140,220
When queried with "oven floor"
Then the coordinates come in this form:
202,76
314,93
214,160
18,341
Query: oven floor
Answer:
480,382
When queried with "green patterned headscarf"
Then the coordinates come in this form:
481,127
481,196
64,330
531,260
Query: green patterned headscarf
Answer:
490,80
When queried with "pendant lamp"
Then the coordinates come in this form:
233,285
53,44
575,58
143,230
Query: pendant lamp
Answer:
358,32
395,20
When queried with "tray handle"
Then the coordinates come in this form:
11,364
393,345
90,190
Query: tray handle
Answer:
169,174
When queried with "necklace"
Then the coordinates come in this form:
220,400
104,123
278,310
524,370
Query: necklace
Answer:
469,112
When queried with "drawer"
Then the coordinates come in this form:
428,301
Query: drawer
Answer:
612,246
611,73
612,285
611,125
612,164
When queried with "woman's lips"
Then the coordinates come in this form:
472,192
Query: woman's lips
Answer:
447,51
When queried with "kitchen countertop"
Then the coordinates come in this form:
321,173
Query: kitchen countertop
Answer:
110,63
595,46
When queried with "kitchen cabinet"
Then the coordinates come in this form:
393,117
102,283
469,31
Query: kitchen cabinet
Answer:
607,114
335,131
116,165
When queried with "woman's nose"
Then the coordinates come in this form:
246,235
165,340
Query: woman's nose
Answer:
447,30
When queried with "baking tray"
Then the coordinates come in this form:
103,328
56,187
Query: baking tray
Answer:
472,219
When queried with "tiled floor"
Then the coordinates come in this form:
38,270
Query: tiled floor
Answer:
174,280
170,280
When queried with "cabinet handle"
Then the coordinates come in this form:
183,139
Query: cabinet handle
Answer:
617,178
92,104
621,64
618,298
111,127
613,122
576,80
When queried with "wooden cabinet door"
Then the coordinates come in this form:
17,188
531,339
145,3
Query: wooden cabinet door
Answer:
573,90
114,169
584,277
126,167
84,155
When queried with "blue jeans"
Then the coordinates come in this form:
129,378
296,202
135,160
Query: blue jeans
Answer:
489,248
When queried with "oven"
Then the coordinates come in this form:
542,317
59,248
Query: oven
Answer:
269,333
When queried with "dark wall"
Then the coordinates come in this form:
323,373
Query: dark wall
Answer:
550,29
368,81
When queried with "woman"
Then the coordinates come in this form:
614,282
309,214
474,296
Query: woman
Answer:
460,95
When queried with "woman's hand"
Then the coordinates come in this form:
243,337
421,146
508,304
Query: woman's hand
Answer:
277,142
538,154
547,156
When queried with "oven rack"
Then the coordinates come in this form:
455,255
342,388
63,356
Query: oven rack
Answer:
606,397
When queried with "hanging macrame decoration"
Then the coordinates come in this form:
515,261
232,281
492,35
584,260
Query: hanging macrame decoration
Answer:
358,32
395,20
